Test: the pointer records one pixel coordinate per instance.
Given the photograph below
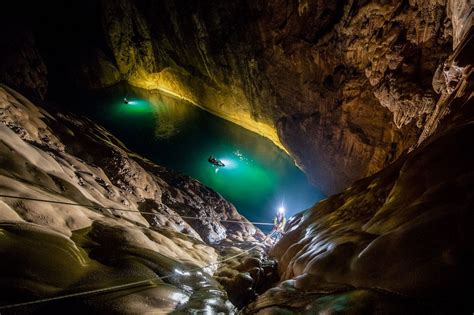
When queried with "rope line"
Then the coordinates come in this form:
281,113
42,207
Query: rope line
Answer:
121,286
121,209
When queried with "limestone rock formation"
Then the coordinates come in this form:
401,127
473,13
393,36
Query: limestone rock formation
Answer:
245,277
344,86
22,65
301,68
397,242
114,218
385,240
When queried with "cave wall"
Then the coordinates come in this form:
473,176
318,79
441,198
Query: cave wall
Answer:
316,72
79,211
403,235
345,87
397,242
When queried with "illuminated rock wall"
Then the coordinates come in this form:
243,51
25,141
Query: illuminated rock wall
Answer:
114,218
345,87
398,242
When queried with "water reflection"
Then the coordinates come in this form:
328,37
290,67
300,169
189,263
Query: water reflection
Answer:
170,115
258,176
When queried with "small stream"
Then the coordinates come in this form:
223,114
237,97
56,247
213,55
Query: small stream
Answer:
258,177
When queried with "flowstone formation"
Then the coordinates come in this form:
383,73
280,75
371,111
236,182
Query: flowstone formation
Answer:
398,242
350,89
113,218
344,86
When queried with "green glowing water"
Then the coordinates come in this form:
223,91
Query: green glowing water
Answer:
258,176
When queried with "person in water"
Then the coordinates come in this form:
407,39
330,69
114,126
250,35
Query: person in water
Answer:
212,159
279,223
215,161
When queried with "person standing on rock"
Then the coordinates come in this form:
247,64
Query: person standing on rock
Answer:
279,223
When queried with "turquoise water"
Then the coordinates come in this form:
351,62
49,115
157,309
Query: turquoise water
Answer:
258,176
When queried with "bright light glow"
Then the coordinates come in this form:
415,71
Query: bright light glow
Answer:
183,273
229,163
181,298
281,209
132,103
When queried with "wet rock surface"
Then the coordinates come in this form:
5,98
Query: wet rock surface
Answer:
345,86
398,242
245,275
129,228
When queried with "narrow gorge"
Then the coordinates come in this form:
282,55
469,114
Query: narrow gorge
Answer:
372,100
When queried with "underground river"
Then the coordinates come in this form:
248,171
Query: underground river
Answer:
258,177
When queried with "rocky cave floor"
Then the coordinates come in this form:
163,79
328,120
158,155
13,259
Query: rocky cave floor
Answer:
51,249
382,246
378,90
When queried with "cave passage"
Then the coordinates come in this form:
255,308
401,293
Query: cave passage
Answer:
258,176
